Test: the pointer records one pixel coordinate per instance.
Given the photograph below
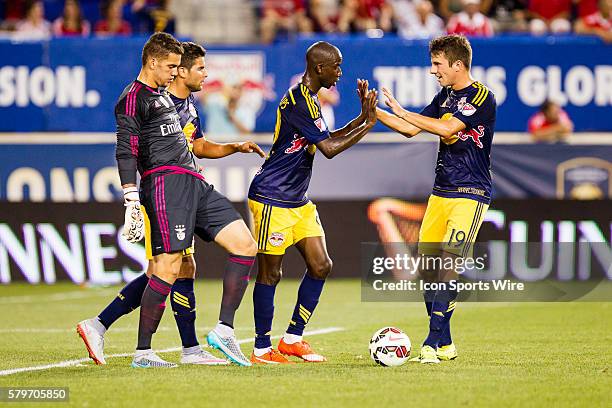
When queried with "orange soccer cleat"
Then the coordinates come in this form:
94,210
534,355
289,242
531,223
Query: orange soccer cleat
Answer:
271,357
302,350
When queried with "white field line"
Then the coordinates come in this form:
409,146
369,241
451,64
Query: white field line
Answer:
115,329
81,294
72,363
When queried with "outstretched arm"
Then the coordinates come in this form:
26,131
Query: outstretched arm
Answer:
394,123
443,128
343,138
207,149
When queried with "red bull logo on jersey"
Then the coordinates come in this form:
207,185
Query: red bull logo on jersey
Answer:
475,134
296,144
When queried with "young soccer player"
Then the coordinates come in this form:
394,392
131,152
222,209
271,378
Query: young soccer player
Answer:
462,114
148,123
284,215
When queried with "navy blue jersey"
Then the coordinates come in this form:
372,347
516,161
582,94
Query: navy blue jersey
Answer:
285,175
149,134
189,118
463,168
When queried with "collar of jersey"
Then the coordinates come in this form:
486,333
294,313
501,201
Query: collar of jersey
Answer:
311,93
158,90
450,90
173,96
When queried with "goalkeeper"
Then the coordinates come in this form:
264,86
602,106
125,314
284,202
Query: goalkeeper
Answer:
179,202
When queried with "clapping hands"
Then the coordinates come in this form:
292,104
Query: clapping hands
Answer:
369,100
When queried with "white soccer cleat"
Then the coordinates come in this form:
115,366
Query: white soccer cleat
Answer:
93,339
151,360
202,357
228,346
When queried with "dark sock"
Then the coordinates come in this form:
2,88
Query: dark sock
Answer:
182,299
263,310
308,298
428,297
126,301
441,311
445,338
235,282
152,308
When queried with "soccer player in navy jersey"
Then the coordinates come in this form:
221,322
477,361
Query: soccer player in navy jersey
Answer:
463,115
162,153
283,213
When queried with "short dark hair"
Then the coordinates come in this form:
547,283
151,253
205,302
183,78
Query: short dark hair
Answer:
454,47
29,5
192,51
160,45
546,105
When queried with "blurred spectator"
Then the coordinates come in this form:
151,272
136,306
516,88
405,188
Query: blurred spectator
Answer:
325,14
509,15
550,124
227,112
34,26
363,15
550,16
113,22
596,21
416,19
288,15
470,22
71,23
448,8
13,12
586,7
153,16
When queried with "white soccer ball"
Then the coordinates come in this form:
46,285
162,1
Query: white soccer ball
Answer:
390,347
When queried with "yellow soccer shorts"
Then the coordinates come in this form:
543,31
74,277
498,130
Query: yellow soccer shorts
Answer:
450,225
277,228
148,247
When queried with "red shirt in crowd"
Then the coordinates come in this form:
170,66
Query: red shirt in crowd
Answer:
102,28
549,9
597,20
587,7
538,121
60,30
284,8
370,8
477,25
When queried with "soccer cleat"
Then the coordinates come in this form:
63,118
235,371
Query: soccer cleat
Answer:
94,341
447,353
228,346
271,357
428,355
202,357
151,360
300,349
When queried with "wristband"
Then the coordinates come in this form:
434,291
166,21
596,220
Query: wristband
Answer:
131,194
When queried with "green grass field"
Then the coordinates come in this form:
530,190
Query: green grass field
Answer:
511,354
